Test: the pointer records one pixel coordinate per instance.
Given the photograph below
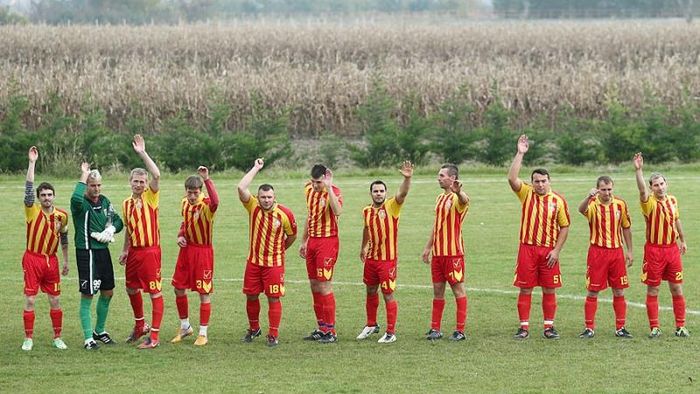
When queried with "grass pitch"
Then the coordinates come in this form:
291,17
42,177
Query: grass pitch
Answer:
490,360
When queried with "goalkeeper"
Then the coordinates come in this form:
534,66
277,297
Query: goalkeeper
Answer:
95,224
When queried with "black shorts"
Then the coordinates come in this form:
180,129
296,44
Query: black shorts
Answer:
95,271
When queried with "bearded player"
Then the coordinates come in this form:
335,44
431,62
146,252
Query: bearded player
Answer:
379,253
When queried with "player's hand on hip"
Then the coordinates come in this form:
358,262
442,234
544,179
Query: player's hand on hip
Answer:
181,241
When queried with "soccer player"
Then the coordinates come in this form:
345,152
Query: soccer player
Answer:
379,253
273,229
447,249
319,247
609,225
544,226
47,226
194,269
95,223
665,243
141,252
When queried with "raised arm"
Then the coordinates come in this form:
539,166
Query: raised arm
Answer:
638,164
332,198
211,189
513,173
583,206
33,155
456,188
407,171
139,145
244,184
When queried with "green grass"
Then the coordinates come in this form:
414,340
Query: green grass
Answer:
488,361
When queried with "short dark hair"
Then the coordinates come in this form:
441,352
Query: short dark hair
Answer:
452,170
318,170
266,187
540,171
377,182
655,175
194,182
604,179
44,186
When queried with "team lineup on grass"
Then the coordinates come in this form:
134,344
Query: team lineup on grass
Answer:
544,227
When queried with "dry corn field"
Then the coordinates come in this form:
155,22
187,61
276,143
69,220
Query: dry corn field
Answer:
320,72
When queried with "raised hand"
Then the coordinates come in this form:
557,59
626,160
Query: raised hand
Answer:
523,144
85,167
139,143
638,161
406,169
259,163
33,154
593,192
328,179
456,186
203,172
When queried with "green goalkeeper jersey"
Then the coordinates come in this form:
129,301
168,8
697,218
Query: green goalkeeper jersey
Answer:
89,216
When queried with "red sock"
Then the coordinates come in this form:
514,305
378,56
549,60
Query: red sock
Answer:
204,313
318,308
392,310
252,308
524,302
653,311
461,313
679,310
589,309
182,307
549,308
56,321
28,323
157,317
438,308
620,308
372,305
137,306
329,312
274,315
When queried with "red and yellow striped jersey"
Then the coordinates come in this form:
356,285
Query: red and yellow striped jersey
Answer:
268,232
661,216
447,229
43,231
606,222
321,221
382,225
542,216
141,218
197,221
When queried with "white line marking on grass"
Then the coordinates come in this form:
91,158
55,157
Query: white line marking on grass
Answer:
428,287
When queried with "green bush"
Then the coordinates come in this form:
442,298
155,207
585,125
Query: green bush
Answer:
454,137
495,135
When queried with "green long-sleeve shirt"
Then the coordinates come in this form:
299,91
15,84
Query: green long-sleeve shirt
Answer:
91,217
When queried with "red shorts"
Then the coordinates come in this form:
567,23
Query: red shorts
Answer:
321,255
194,269
380,272
143,269
447,269
268,280
40,272
661,263
531,269
606,267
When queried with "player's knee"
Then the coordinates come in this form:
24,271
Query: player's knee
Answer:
29,303
53,302
676,289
